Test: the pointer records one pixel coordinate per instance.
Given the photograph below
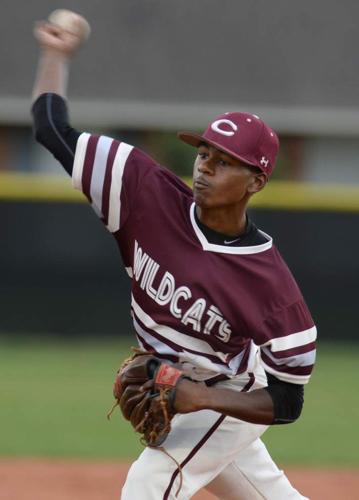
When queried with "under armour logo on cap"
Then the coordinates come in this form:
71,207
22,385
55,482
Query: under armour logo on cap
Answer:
264,161
215,126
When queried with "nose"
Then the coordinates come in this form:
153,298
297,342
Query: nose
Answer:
206,167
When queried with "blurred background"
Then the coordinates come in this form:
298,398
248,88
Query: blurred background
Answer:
153,67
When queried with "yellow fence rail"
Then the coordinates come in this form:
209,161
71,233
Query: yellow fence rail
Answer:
280,195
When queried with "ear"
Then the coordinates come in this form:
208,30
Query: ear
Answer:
257,183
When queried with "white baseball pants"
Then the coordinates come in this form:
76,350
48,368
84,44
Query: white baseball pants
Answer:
222,454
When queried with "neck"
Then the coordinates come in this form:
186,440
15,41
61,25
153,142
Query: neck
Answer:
223,220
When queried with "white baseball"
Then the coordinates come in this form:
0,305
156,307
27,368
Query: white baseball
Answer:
71,22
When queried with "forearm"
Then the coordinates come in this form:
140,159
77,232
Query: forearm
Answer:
279,403
52,73
255,407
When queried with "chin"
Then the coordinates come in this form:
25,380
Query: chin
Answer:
201,201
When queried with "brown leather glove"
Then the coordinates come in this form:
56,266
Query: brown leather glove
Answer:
145,390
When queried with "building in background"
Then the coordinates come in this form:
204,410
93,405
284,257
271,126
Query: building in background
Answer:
156,67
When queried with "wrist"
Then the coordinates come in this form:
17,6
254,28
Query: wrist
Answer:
52,54
205,397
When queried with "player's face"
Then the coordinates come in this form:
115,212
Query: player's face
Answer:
219,180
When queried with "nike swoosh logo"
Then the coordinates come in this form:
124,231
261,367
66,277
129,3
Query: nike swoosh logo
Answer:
231,241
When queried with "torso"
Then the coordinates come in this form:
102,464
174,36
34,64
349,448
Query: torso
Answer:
193,300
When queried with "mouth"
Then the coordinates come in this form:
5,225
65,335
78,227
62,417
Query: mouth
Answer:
200,184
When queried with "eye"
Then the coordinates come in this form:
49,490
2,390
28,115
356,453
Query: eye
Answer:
223,163
203,155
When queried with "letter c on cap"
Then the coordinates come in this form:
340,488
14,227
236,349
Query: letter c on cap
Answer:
215,126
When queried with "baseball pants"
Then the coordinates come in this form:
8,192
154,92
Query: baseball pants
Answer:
222,454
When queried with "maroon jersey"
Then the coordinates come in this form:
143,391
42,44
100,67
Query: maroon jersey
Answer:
193,301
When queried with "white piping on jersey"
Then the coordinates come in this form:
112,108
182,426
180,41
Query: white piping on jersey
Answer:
79,161
286,377
119,163
211,247
181,339
294,340
304,359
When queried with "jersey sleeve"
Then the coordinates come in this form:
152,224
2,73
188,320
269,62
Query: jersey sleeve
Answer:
287,343
109,173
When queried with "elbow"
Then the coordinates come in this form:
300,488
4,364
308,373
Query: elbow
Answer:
297,411
42,135
293,411
288,400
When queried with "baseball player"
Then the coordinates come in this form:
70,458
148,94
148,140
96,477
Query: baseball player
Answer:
210,291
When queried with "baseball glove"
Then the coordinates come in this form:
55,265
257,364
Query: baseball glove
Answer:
145,390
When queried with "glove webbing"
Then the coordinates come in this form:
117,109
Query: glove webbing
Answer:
136,352
141,427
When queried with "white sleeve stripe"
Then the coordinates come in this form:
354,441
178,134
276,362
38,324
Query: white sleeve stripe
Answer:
294,340
79,160
116,186
287,377
305,359
98,172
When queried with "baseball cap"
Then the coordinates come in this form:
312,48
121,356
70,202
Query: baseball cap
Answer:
241,135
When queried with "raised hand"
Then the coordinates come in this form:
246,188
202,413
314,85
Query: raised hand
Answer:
64,32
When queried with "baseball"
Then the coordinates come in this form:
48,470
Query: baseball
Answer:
71,22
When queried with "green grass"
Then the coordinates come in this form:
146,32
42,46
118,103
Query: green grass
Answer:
327,432
54,396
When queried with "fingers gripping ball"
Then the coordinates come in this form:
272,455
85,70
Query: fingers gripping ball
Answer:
145,390
71,22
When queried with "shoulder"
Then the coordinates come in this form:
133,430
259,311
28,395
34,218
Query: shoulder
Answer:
119,179
125,162
270,274
275,294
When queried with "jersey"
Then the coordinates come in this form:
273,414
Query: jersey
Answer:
209,305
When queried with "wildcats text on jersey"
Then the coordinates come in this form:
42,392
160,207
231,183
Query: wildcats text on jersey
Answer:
200,316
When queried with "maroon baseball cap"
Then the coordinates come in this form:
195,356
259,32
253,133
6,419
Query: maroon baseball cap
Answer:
241,135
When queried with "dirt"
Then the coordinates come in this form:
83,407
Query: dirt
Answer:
35,479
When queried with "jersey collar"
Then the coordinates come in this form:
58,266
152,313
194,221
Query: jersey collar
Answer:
211,247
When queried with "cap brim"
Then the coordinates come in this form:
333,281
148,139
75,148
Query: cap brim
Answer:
196,139
191,139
